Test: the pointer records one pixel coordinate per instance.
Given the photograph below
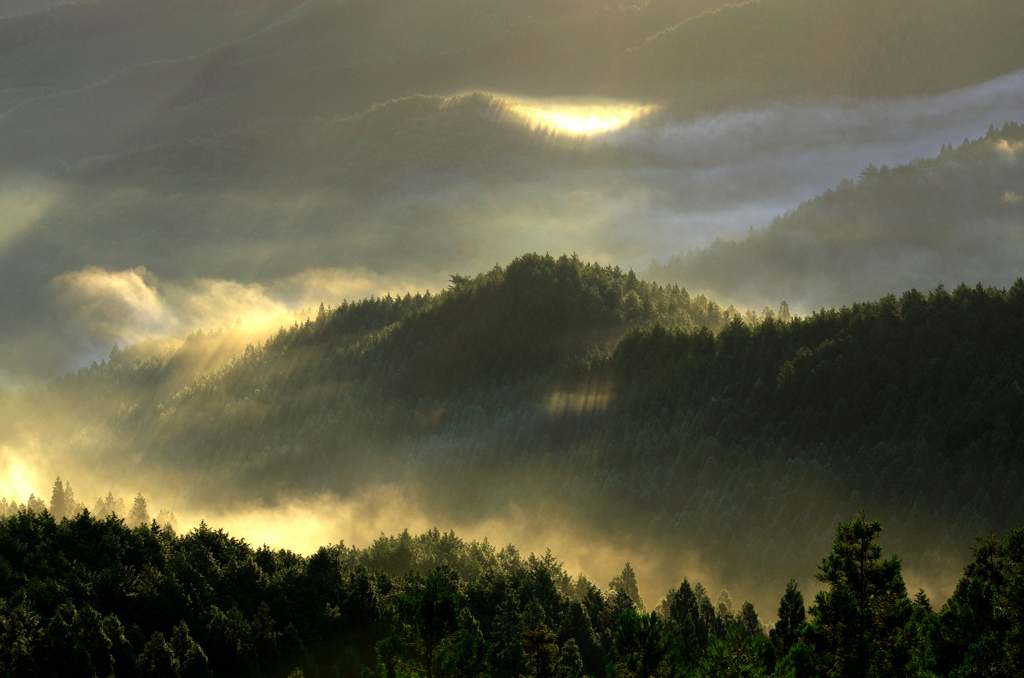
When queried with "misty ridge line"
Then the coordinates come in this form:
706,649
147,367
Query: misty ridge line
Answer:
633,24
550,401
1005,175
128,70
636,249
63,505
1006,179
820,250
564,379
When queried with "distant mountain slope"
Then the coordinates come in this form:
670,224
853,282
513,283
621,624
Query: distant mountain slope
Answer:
471,135
952,218
671,437
397,170
151,72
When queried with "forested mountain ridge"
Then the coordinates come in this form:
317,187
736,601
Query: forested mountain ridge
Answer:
957,213
250,127
526,386
90,596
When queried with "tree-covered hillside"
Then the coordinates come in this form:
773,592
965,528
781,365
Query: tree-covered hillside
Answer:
88,596
953,217
393,144
586,397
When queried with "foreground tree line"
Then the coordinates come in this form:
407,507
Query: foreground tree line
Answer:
87,596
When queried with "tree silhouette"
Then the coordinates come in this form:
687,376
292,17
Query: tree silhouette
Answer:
860,624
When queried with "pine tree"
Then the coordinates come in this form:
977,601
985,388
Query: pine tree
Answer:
749,621
541,649
466,655
58,503
432,614
688,635
140,512
640,644
571,660
861,624
506,637
35,504
626,583
791,616
193,662
157,659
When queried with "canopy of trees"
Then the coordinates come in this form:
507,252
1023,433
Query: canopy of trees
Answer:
592,398
93,597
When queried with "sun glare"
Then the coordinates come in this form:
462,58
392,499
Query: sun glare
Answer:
575,118
17,480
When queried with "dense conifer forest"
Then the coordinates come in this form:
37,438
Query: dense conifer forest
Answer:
589,397
170,165
90,596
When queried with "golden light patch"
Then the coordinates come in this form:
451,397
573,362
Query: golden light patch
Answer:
1007,150
584,403
304,525
132,306
1012,198
573,117
17,479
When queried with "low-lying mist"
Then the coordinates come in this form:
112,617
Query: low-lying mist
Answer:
250,238
654,188
536,404
303,522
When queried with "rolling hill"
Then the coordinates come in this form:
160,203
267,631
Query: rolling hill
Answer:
593,401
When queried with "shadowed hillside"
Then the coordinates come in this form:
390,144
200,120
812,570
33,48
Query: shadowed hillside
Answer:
588,398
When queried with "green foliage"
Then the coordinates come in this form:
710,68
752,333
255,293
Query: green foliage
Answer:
732,657
536,374
94,597
861,625
979,629
639,644
627,584
791,616
541,651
